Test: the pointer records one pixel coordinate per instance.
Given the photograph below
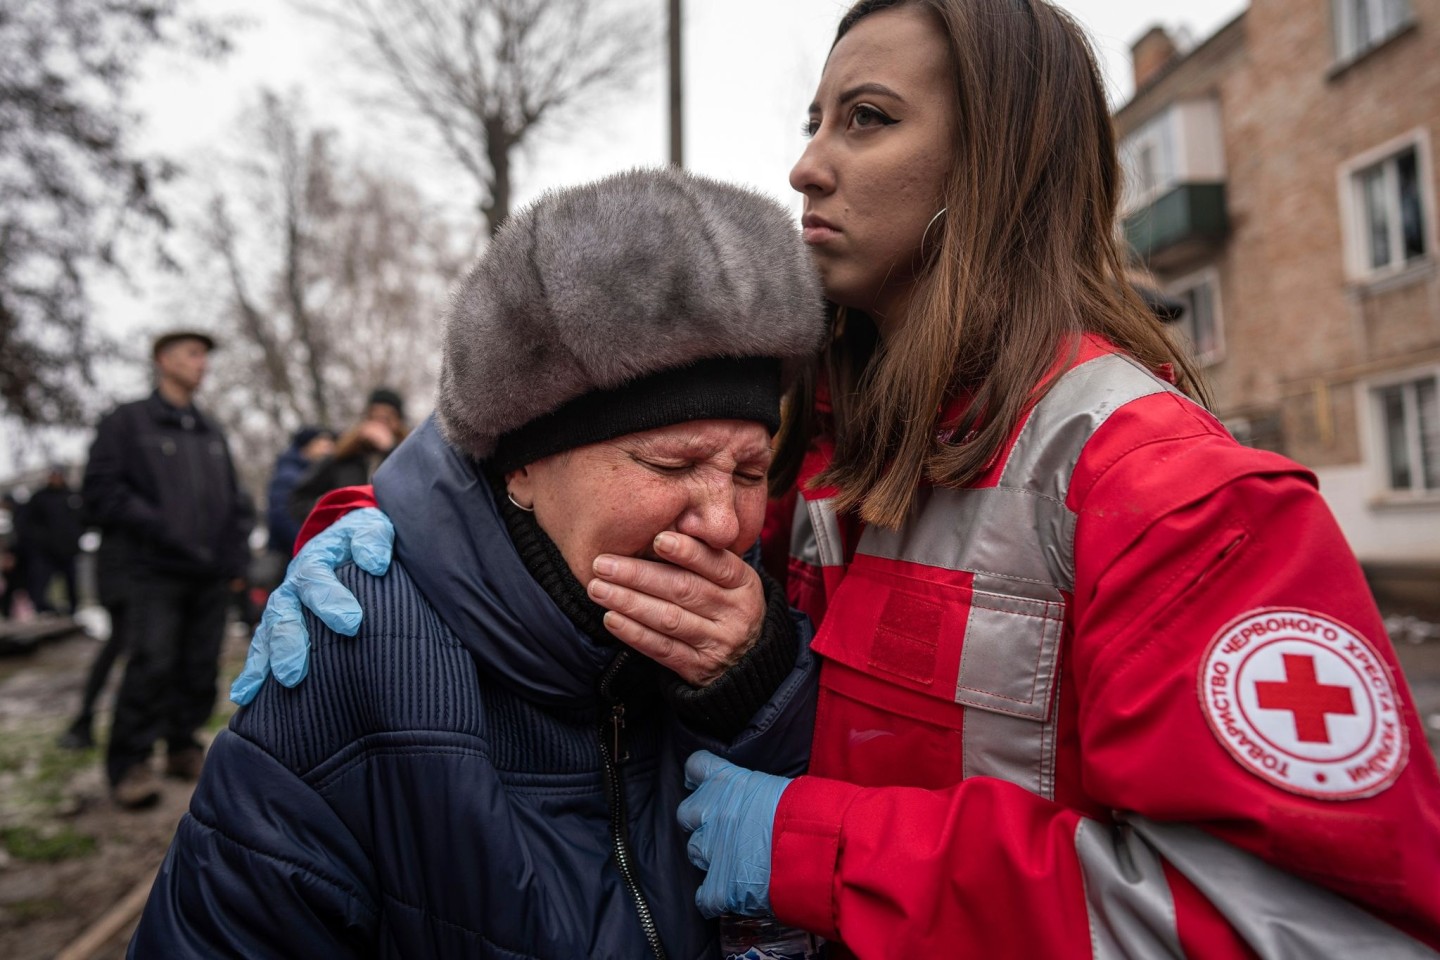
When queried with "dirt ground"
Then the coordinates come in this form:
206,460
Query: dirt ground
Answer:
69,855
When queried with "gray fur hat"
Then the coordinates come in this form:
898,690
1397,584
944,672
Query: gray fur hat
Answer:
640,300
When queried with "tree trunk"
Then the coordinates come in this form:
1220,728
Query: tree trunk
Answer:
499,143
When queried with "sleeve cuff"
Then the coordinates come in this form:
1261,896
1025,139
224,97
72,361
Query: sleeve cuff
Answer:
805,854
724,708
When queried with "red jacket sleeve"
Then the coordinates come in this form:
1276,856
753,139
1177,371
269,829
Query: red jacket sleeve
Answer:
1203,854
332,507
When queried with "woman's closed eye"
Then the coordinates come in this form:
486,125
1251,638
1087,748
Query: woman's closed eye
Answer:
745,476
668,467
750,478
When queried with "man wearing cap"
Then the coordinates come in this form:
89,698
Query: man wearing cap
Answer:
161,487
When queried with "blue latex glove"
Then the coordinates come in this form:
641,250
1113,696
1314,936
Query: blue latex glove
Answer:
730,815
281,642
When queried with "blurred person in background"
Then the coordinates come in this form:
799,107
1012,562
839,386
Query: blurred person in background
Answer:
112,584
162,489
308,445
11,566
357,455
51,535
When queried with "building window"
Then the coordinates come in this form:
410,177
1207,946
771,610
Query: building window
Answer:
1200,323
1389,203
1149,158
1409,415
1363,24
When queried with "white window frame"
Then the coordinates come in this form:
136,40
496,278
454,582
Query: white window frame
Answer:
1207,276
1373,437
1158,136
1346,31
1355,230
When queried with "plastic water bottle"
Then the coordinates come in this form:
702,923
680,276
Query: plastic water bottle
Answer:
765,938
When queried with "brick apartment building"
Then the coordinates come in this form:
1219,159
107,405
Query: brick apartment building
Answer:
1281,182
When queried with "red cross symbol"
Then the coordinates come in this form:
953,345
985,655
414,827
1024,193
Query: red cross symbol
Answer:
1305,697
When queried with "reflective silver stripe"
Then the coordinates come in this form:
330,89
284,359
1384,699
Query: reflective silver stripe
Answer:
1044,456
1018,539
1279,915
803,546
1130,908
985,530
1043,459
826,531
1007,737
1012,627
1015,749
981,531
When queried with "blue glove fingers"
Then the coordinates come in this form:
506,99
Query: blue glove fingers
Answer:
257,667
372,541
719,895
312,577
698,850
702,765
692,812
731,814
282,643
710,899
289,640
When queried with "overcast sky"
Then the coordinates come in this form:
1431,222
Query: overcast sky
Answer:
750,71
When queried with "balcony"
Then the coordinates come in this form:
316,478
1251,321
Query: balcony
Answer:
1183,224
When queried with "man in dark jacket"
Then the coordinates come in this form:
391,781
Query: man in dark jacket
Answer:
162,489
485,770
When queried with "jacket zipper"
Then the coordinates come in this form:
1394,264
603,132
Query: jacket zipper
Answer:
613,755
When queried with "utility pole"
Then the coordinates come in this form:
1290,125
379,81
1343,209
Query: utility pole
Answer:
677,124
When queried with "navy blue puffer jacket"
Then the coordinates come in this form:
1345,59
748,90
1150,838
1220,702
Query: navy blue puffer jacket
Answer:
435,787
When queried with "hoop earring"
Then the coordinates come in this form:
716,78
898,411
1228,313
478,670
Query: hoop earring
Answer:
924,237
511,497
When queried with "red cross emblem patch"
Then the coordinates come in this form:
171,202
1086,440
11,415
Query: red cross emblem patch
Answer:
1304,702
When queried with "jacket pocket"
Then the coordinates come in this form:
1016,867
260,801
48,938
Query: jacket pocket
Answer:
928,682
1010,660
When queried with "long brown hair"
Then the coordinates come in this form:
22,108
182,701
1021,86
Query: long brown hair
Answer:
1026,256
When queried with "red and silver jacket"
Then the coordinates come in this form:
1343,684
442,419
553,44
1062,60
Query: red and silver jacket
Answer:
1126,696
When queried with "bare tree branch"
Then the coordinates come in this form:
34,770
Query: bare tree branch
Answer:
335,280
486,73
73,192
254,324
